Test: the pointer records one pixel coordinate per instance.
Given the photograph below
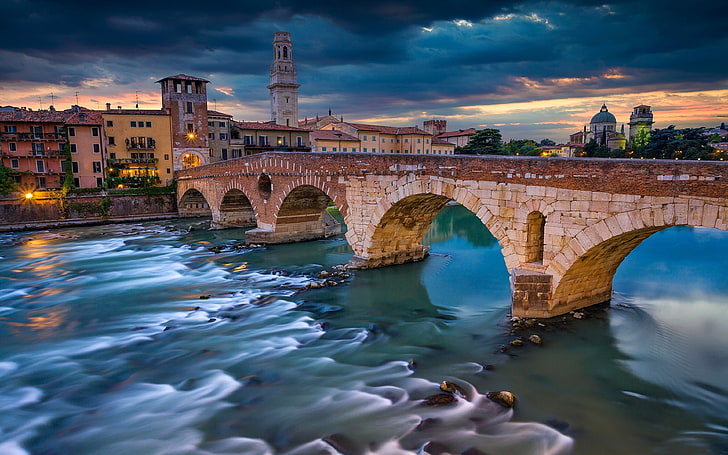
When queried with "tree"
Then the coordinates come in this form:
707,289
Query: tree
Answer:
487,141
520,147
682,144
592,149
7,182
547,142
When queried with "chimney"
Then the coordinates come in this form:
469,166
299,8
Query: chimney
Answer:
118,108
108,106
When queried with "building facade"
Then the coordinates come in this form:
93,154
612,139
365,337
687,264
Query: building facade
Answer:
218,133
86,137
32,143
249,138
392,139
139,147
283,86
640,124
185,98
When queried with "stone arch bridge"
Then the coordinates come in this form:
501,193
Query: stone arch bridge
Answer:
563,225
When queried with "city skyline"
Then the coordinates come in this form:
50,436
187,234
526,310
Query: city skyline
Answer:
532,69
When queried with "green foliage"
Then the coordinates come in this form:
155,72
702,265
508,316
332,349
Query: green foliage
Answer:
146,191
521,147
546,142
7,182
594,150
67,183
487,141
681,144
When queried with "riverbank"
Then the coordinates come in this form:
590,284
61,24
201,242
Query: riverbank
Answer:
88,221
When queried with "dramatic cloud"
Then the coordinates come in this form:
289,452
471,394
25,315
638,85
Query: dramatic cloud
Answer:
534,68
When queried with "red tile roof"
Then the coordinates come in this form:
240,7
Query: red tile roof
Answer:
84,117
28,116
466,132
437,141
396,130
210,112
183,77
332,135
267,126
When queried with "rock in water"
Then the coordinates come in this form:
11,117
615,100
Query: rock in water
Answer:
535,339
503,398
450,387
440,399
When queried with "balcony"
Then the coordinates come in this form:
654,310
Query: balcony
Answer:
122,163
32,136
133,144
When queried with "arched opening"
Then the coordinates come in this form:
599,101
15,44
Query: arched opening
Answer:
193,204
190,160
589,279
236,210
306,214
265,186
398,236
535,223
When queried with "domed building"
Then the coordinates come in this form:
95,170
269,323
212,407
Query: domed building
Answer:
602,124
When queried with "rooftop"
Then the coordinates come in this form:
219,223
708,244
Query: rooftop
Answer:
332,135
267,126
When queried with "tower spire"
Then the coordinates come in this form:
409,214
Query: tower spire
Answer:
283,86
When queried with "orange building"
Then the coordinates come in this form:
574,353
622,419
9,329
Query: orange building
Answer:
86,138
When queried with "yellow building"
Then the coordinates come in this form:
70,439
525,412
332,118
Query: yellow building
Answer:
139,147
392,139
334,141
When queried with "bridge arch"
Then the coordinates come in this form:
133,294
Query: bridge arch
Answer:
395,231
235,210
193,203
584,269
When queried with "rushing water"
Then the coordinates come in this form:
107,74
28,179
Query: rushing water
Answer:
154,338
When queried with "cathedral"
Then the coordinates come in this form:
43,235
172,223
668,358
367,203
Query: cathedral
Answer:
603,129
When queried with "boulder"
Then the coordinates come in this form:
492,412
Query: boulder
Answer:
451,387
535,339
503,398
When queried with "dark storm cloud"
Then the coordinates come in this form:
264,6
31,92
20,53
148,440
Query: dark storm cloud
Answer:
373,54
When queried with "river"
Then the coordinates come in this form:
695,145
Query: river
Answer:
167,338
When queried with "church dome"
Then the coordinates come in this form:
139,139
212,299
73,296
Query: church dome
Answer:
604,116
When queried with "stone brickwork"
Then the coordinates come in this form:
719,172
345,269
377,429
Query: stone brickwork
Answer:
596,210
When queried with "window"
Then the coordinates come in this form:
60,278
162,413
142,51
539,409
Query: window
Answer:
374,150
12,146
374,138
74,148
61,147
39,166
363,138
248,140
211,136
223,136
95,132
36,131
353,149
109,123
189,107
427,141
149,124
190,129
166,156
223,152
263,140
419,140
221,124
132,124
10,129
418,151
112,140
76,182
333,149
38,148
178,88
97,148
323,149
97,167
72,131
299,141
281,140
345,149
140,124
210,124
365,149
40,182
168,171
74,167
189,88
14,163
99,182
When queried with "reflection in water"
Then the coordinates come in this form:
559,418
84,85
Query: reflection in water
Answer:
164,338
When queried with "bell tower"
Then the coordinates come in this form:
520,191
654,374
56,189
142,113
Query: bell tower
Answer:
283,87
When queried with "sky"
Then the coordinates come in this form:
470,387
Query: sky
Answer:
532,69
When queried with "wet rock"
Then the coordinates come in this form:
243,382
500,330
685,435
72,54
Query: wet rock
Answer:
436,448
215,249
169,327
342,444
451,387
138,328
517,342
488,367
316,285
473,451
503,398
412,365
324,274
211,320
535,339
204,297
440,399
578,314
427,424
331,283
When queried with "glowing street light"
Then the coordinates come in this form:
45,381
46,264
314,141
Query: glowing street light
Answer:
28,196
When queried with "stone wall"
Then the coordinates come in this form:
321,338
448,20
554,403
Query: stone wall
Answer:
45,207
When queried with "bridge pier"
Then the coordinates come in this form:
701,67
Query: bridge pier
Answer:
531,293
297,228
398,257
